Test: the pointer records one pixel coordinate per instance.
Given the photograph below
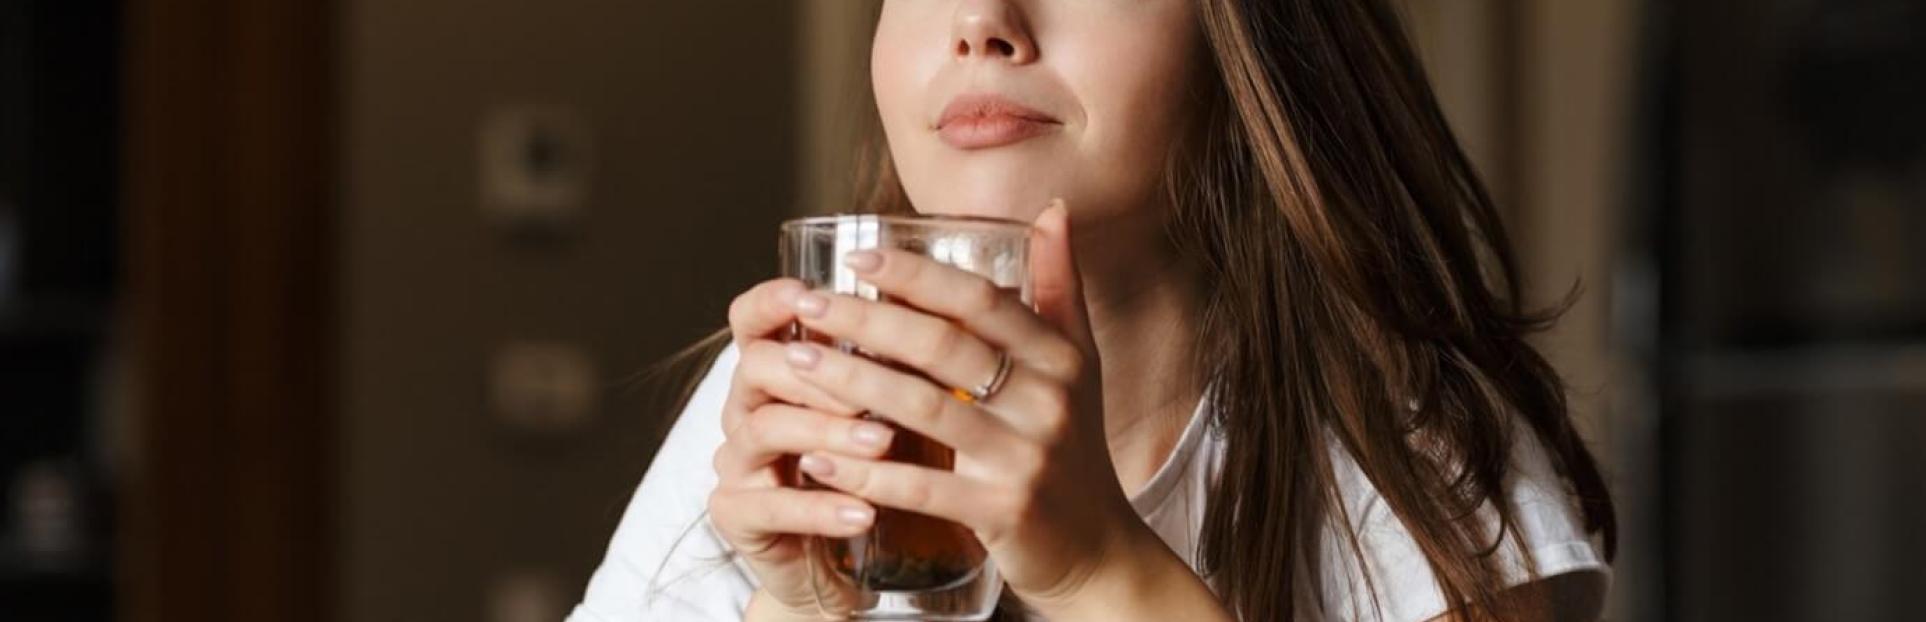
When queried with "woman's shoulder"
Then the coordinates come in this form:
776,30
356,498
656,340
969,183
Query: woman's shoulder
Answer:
698,430
1547,537
712,390
661,561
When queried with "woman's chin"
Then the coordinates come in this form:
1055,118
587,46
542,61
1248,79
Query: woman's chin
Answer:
1000,213
1024,209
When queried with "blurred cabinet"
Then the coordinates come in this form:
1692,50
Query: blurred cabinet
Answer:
1791,206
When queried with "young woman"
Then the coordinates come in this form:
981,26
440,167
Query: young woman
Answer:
1276,368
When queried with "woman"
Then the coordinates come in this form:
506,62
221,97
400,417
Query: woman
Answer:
1276,368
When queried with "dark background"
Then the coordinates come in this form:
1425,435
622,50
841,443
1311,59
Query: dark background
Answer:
59,253
262,295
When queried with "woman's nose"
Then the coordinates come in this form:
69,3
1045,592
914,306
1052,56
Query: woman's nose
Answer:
992,30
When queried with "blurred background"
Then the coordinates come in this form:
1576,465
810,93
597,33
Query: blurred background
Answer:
340,309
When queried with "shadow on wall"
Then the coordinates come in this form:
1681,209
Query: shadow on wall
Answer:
543,198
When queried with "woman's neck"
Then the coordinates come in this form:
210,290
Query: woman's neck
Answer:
1144,301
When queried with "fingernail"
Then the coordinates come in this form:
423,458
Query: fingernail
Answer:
872,435
811,305
1054,215
816,465
855,515
802,356
789,294
863,261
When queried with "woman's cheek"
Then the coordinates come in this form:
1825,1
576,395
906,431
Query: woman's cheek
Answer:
905,55
1132,118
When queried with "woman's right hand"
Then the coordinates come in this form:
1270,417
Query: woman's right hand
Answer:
770,417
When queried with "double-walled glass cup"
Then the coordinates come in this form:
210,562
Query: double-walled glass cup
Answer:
908,566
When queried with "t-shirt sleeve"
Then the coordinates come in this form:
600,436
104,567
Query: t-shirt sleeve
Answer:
665,562
1548,524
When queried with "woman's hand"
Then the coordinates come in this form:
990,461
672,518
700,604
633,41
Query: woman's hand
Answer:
771,414
1033,476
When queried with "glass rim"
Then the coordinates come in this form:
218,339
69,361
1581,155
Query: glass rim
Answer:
991,222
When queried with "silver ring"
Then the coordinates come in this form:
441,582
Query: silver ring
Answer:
983,392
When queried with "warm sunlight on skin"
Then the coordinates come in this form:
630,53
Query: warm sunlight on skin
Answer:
998,108
1107,82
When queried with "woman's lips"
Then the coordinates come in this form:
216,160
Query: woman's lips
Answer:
985,121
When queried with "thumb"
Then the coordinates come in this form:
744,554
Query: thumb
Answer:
1054,280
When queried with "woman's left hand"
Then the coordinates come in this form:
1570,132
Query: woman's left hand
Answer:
1033,476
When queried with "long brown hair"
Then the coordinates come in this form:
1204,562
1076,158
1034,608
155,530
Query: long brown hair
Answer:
1362,291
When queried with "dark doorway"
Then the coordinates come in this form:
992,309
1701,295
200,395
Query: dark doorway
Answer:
59,222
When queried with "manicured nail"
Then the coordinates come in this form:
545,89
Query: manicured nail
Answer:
788,295
863,261
872,435
855,515
816,465
811,305
802,356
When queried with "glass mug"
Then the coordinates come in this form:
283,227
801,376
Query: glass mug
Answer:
907,566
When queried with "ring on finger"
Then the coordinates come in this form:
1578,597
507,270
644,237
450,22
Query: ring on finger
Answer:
989,388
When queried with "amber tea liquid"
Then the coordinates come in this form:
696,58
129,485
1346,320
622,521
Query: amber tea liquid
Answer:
905,551
906,566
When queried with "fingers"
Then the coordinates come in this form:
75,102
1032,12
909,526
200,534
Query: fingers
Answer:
910,401
1055,280
775,430
936,346
764,310
763,375
749,517
923,490
995,312
997,316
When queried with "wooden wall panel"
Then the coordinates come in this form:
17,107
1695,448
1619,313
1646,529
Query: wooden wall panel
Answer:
228,197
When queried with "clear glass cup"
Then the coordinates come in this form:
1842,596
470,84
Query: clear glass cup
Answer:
908,566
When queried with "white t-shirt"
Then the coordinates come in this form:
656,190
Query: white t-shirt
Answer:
665,563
